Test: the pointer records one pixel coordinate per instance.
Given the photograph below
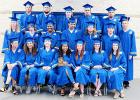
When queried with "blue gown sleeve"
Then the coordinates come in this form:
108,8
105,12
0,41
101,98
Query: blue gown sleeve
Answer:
5,42
98,25
133,45
123,62
86,61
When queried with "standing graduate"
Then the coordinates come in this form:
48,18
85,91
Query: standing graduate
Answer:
27,17
28,73
89,36
45,16
45,63
99,61
33,33
81,64
116,74
64,20
71,34
111,17
55,37
88,16
107,39
13,62
127,37
14,30
64,67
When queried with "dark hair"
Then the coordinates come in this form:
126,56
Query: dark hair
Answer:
34,49
68,52
81,54
117,54
100,49
94,30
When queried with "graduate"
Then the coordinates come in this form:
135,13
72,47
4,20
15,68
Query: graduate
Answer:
88,16
111,17
55,37
64,20
89,36
14,30
71,34
117,70
44,61
32,32
106,39
27,17
99,61
45,16
28,73
129,48
64,67
13,62
81,64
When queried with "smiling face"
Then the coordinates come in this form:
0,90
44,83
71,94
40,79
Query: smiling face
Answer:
30,45
72,26
115,46
97,46
47,43
69,14
14,25
79,47
65,47
110,30
125,24
14,45
50,28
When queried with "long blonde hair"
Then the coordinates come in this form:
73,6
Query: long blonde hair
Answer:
17,27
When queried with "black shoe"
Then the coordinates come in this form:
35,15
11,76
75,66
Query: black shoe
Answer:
126,84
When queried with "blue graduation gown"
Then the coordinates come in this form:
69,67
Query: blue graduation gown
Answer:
46,59
55,39
129,48
116,78
98,59
105,22
82,22
82,74
28,60
89,41
35,37
107,43
42,19
64,73
62,24
10,57
6,41
71,37
25,19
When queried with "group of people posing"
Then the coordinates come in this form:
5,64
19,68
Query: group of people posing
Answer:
72,51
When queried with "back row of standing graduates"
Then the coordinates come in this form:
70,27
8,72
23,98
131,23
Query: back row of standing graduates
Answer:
72,51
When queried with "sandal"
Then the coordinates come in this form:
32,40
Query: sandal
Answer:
5,88
72,93
81,95
2,90
96,93
99,93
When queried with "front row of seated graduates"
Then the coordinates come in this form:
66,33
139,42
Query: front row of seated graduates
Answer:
74,51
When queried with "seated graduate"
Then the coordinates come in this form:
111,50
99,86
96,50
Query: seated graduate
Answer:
117,71
99,61
28,73
64,67
46,72
13,62
81,62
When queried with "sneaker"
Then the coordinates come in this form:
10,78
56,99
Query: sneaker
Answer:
96,93
122,94
99,93
81,95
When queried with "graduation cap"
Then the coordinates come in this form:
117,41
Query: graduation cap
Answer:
28,38
50,22
87,6
68,8
72,20
111,24
28,3
97,40
13,38
46,4
116,40
46,38
124,18
91,23
13,18
111,8
64,41
80,41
